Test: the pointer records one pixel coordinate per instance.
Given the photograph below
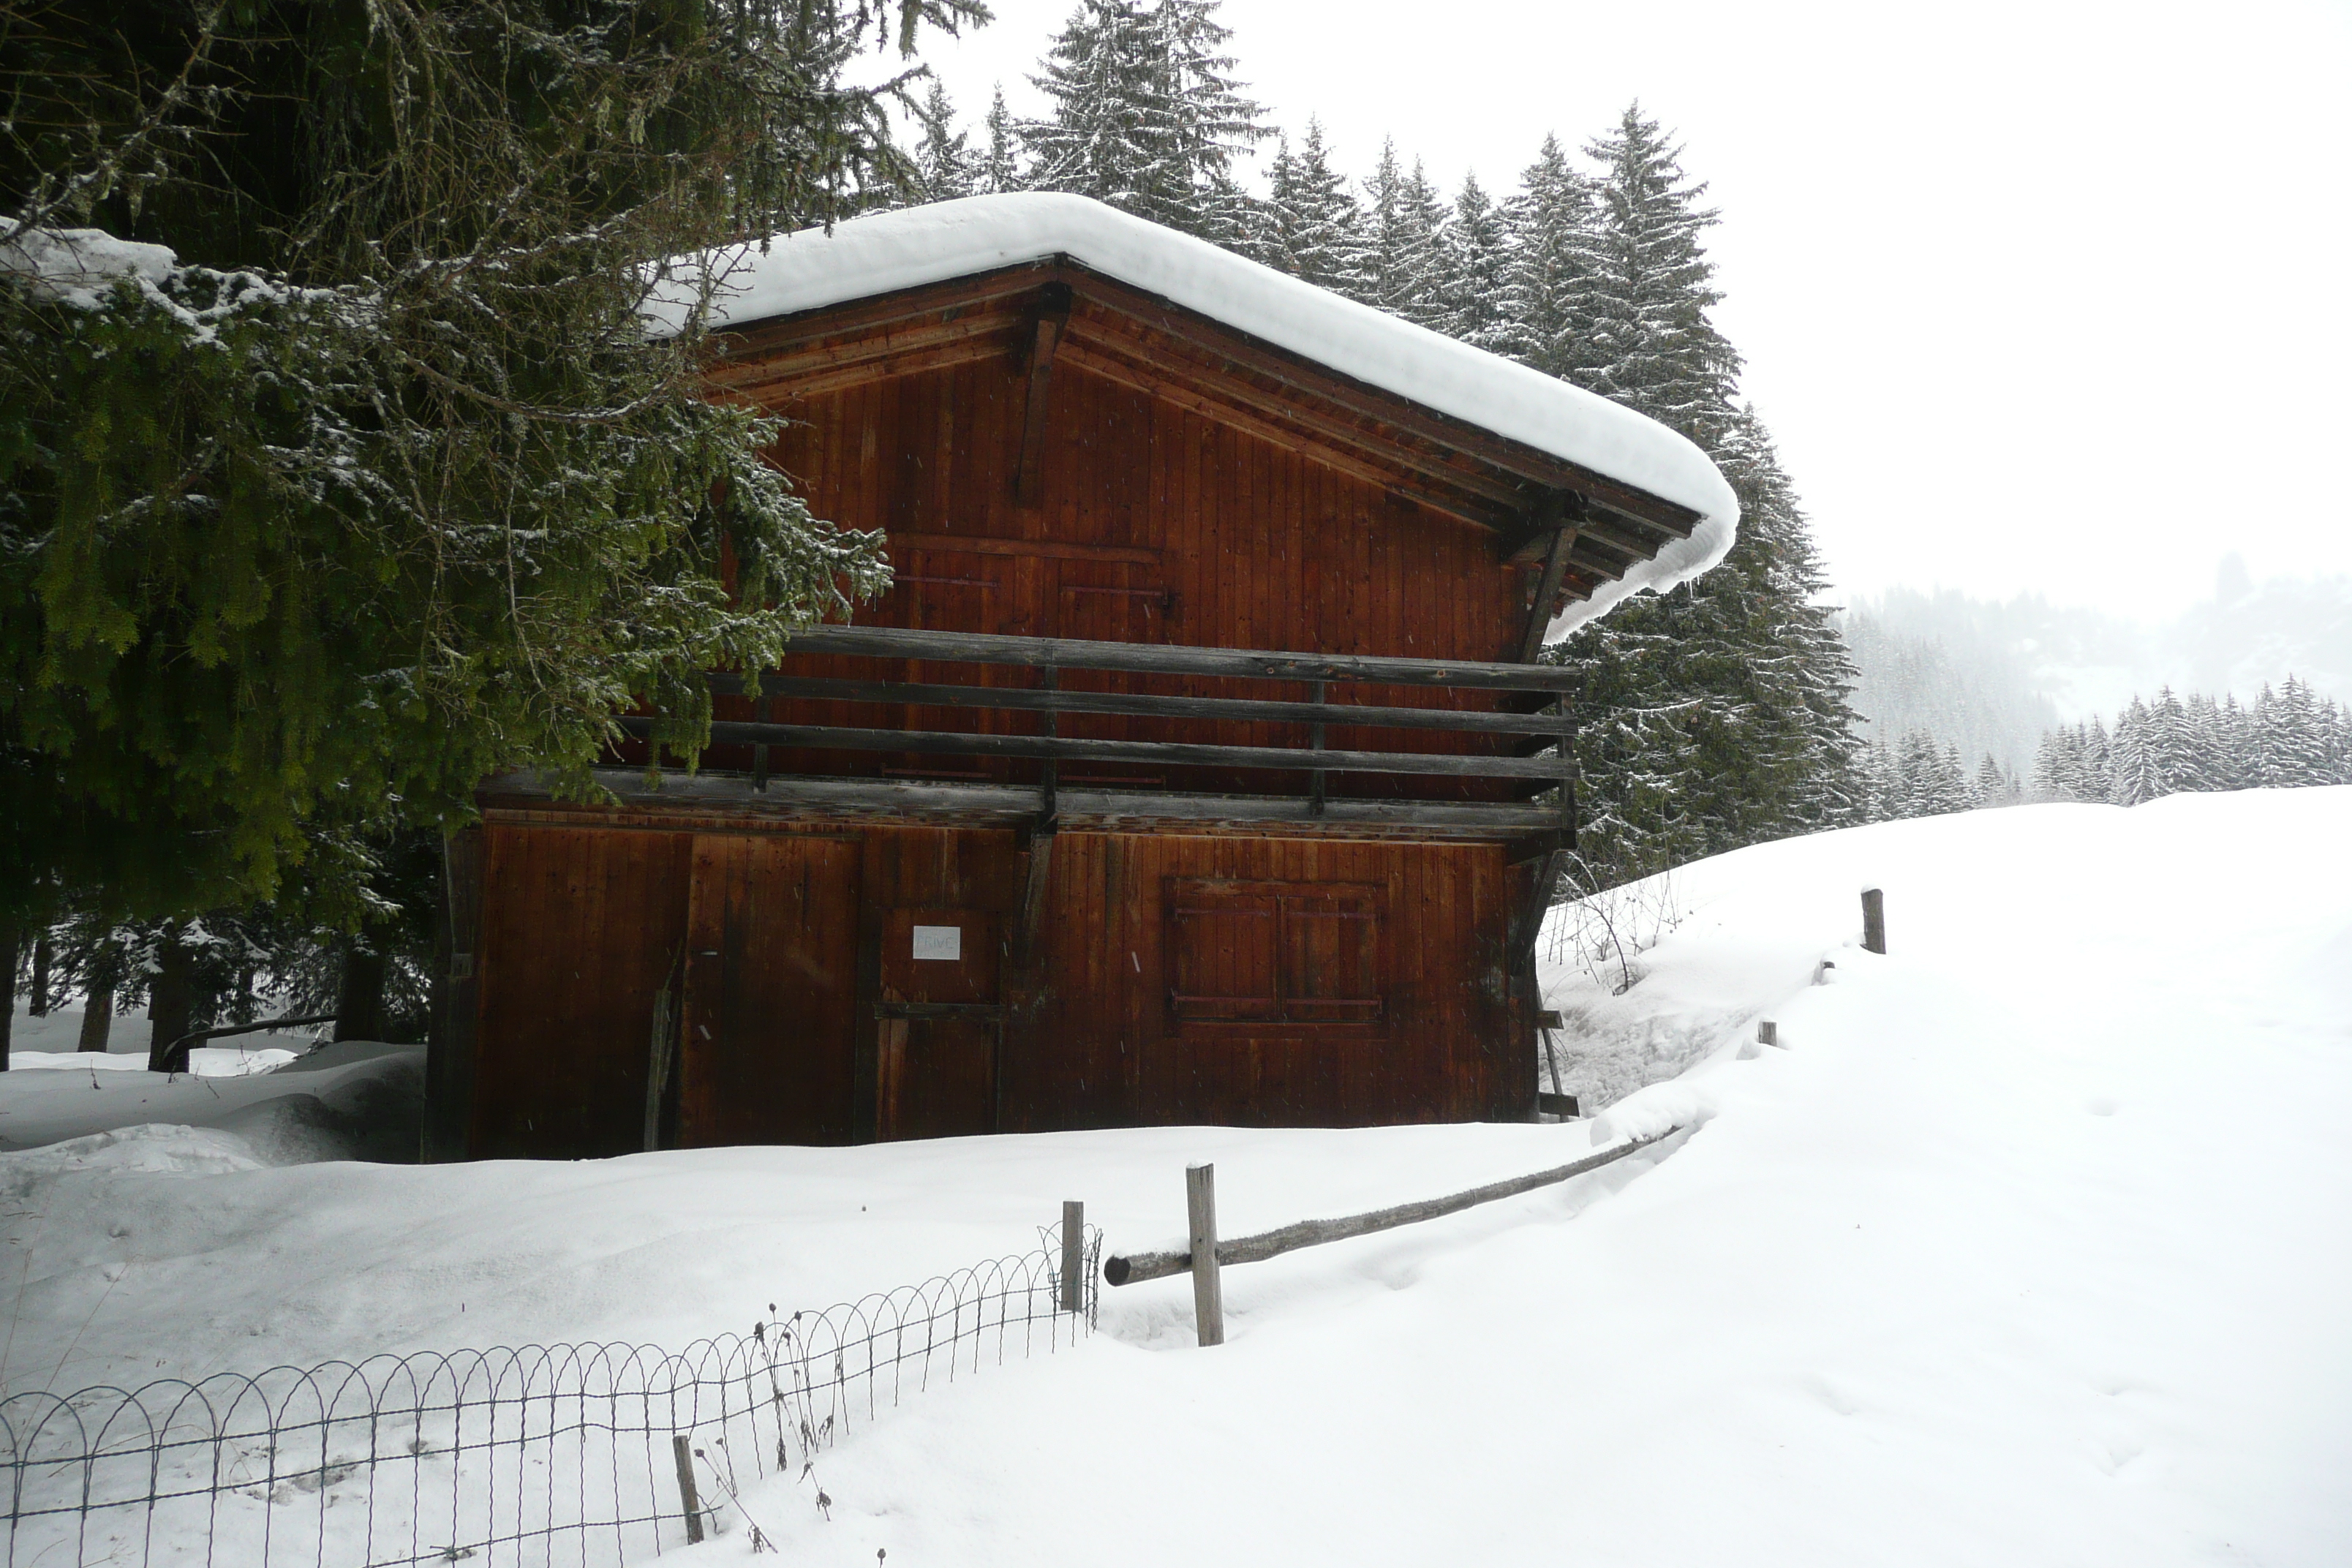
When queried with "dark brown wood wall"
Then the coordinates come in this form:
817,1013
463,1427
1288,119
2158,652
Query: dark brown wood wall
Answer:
1107,1053
583,925
580,927
1155,524
1261,547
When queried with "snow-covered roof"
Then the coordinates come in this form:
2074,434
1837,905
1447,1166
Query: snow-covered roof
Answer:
882,254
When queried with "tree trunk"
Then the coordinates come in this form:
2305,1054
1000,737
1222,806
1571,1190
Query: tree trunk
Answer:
171,999
10,949
359,1000
98,1019
43,954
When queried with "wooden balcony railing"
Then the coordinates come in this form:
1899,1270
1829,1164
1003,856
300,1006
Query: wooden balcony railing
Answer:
1531,752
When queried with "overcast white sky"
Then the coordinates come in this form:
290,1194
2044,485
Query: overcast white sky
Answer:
2036,297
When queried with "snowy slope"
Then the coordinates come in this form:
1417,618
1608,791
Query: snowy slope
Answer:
886,252
2028,1250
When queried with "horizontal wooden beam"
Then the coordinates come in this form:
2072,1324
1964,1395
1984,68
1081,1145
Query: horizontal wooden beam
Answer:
1016,806
991,1012
999,292
1227,709
1163,753
777,390
1147,659
1040,549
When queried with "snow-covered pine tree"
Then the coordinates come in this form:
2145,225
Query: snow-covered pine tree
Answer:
946,167
2169,746
1881,783
1000,158
1311,227
2057,767
1400,266
2095,773
2133,775
1740,675
1992,787
1548,269
2292,737
376,485
1473,260
2234,763
1648,340
1147,116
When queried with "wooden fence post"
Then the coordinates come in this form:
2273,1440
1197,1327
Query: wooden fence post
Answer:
1073,1255
1874,921
1208,1291
682,1447
1767,1033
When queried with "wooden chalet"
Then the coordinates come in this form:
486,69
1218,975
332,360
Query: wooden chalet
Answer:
1194,769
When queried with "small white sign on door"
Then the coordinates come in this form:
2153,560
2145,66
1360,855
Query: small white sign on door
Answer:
939,942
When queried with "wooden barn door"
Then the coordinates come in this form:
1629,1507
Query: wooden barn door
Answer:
767,1045
939,1027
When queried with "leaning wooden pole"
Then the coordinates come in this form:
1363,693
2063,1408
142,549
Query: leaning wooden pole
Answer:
1142,1266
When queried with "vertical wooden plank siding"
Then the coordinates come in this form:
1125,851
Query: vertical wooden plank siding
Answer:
1113,1053
578,928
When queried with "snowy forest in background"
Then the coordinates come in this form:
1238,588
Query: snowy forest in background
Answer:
1739,708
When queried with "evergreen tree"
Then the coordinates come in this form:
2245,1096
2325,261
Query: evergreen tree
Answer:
1474,263
999,163
371,484
1721,705
2133,775
1147,116
1992,787
1312,228
1400,265
1549,241
2291,738
1739,680
2236,764
1648,341
945,165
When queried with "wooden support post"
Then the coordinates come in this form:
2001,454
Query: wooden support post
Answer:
1874,921
1207,1291
1073,1257
1767,1033
1548,869
1052,315
456,1000
1563,539
682,1447
1314,739
759,753
1547,1021
1030,916
1049,775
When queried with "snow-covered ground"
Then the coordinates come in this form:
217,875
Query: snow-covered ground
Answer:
2030,1249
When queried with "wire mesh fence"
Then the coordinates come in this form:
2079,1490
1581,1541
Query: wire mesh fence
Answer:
544,1454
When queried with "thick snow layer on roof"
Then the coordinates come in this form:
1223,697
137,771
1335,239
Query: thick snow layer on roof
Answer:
914,245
